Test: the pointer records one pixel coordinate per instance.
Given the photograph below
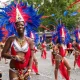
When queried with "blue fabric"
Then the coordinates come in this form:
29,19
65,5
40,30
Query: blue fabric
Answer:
67,37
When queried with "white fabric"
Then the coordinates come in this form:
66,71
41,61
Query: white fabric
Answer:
18,48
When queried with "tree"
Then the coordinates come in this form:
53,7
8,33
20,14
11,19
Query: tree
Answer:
56,7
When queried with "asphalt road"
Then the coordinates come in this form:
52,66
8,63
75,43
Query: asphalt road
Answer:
46,69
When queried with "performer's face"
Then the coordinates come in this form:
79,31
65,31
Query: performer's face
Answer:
20,27
63,39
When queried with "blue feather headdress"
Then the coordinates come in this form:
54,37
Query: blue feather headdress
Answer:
34,36
30,15
63,32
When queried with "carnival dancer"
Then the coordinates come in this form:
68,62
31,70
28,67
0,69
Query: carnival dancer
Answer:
53,55
35,61
43,49
43,46
21,47
3,38
76,45
61,62
2,46
54,41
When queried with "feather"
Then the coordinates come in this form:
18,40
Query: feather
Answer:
8,17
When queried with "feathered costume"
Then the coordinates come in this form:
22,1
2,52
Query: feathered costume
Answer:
77,36
9,15
62,32
35,37
43,47
54,39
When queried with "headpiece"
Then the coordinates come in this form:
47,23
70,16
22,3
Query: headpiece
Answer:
34,36
19,12
18,16
63,33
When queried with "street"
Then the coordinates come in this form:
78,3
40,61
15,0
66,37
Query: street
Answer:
46,69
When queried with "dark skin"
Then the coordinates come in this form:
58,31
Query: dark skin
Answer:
58,58
20,55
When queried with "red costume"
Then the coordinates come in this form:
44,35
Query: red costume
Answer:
44,53
35,63
19,65
62,67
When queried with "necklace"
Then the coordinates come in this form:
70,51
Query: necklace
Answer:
20,41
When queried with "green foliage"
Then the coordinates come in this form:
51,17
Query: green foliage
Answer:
57,7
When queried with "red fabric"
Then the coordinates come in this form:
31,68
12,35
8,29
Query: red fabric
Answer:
34,67
35,49
12,14
69,45
52,59
78,61
19,65
43,46
78,46
63,71
43,55
62,51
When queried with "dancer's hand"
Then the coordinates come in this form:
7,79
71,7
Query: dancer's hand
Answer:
27,74
19,58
